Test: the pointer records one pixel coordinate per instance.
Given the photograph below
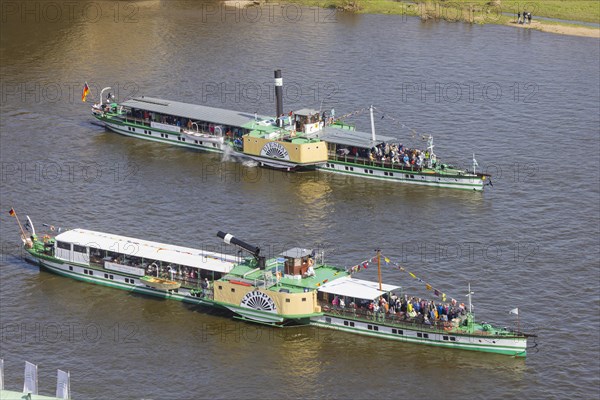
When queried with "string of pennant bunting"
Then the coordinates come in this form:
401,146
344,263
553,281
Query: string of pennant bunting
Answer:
413,132
353,113
365,264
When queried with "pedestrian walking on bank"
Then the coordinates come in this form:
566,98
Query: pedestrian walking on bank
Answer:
529,18
519,17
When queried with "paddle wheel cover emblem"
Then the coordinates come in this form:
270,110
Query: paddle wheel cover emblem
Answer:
274,150
259,301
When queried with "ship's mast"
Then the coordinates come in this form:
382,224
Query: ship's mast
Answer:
102,94
379,267
469,295
372,125
430,150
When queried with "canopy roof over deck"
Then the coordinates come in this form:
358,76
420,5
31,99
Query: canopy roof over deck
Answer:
357,288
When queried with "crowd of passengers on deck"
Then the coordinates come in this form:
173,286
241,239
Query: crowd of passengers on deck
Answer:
174,272
412,309
390,153
232,133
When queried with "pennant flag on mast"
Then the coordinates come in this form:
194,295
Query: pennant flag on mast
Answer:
86,91
514,311
11,212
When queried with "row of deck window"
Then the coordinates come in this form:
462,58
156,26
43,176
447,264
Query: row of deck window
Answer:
98,257
395,331
367,171
370,171
166,136
106,276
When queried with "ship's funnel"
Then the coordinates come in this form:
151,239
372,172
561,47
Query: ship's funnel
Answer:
230,239
255,251
279,96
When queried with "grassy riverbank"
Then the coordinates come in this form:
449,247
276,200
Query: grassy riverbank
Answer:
502,12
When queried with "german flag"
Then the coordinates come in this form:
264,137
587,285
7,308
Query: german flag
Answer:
11,212
86,91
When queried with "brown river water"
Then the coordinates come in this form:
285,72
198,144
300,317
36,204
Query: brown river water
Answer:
525,102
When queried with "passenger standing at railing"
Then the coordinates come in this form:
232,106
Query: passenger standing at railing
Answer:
440,309
336,301
353,307
205,285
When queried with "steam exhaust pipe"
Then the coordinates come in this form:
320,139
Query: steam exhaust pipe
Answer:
279,97
255,251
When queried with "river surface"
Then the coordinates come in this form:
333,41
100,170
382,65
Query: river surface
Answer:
525,102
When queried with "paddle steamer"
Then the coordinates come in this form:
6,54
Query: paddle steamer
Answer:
304,139
294,288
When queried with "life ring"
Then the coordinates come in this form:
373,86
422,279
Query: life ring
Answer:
52,228
45,238
310,262
278,275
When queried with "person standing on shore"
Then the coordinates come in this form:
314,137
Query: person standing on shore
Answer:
524,14
519,17
529,18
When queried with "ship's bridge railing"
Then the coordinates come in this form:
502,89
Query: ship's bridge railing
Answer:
397,319
184,279
372,163
203,294
195,128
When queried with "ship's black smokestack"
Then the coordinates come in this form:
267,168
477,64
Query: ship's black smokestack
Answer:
279,96
255,251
